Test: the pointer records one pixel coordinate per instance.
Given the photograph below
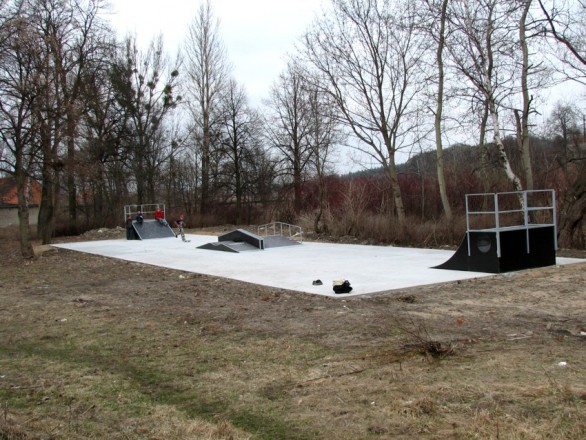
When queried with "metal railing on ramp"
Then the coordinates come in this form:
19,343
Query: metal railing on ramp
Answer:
287,230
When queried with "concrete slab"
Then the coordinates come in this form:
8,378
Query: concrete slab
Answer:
369,269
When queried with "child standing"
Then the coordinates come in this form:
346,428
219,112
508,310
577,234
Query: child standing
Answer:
180,224
129,229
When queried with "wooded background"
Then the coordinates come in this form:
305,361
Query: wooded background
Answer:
102,123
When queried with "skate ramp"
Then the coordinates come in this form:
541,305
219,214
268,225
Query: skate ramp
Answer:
229,246
241,240
505,250
150,229
237,241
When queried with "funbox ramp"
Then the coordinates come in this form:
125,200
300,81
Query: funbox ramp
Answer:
520,248
152,229
240,240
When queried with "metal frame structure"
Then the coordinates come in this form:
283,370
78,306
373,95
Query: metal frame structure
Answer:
525,209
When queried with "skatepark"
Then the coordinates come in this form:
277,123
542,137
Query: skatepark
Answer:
278,257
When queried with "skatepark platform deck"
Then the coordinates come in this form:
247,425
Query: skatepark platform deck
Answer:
370,269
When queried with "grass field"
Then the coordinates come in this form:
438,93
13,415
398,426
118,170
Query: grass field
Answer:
95,348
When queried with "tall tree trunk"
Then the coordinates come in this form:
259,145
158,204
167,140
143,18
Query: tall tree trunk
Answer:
47,210
238,191
23,195
572,228
50,169
297,188
438,117
523,119
71,187
205,162
503,157
485,156
396,190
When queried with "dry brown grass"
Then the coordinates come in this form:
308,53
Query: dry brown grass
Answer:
97,348
383,229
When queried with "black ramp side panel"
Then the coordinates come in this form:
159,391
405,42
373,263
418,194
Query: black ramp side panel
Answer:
152,229
240,235
482,258
514,254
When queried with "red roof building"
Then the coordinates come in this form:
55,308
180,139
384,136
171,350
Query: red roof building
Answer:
9,201
8,193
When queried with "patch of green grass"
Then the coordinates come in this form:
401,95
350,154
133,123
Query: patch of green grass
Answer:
203,382
269,427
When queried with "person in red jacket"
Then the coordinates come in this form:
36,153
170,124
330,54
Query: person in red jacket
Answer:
160,217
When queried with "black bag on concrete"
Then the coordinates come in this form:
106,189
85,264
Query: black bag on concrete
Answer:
342,286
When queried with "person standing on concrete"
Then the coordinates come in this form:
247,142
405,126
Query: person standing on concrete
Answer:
180,224
139,218
129,229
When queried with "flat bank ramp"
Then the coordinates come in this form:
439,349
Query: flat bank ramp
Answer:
273,241
229,246
150,229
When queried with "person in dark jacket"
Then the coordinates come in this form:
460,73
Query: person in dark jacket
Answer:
129,229
180,224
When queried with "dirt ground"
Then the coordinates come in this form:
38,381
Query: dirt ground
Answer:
497,357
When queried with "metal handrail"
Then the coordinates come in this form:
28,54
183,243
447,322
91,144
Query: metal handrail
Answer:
280,228
145,209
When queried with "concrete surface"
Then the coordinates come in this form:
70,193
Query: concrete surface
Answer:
369,269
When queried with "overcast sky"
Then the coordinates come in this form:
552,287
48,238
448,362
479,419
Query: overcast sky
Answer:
257,34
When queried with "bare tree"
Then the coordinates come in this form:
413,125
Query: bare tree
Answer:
480,46
240,132
563,21
522,116
51,21
18,91
207,74
324,133
105,134
566,26
437,28
288,127
84,49
67,38
145,87
369,53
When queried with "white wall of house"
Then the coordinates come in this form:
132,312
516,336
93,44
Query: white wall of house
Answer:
9,217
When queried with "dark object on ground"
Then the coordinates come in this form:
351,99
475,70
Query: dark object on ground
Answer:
342,286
